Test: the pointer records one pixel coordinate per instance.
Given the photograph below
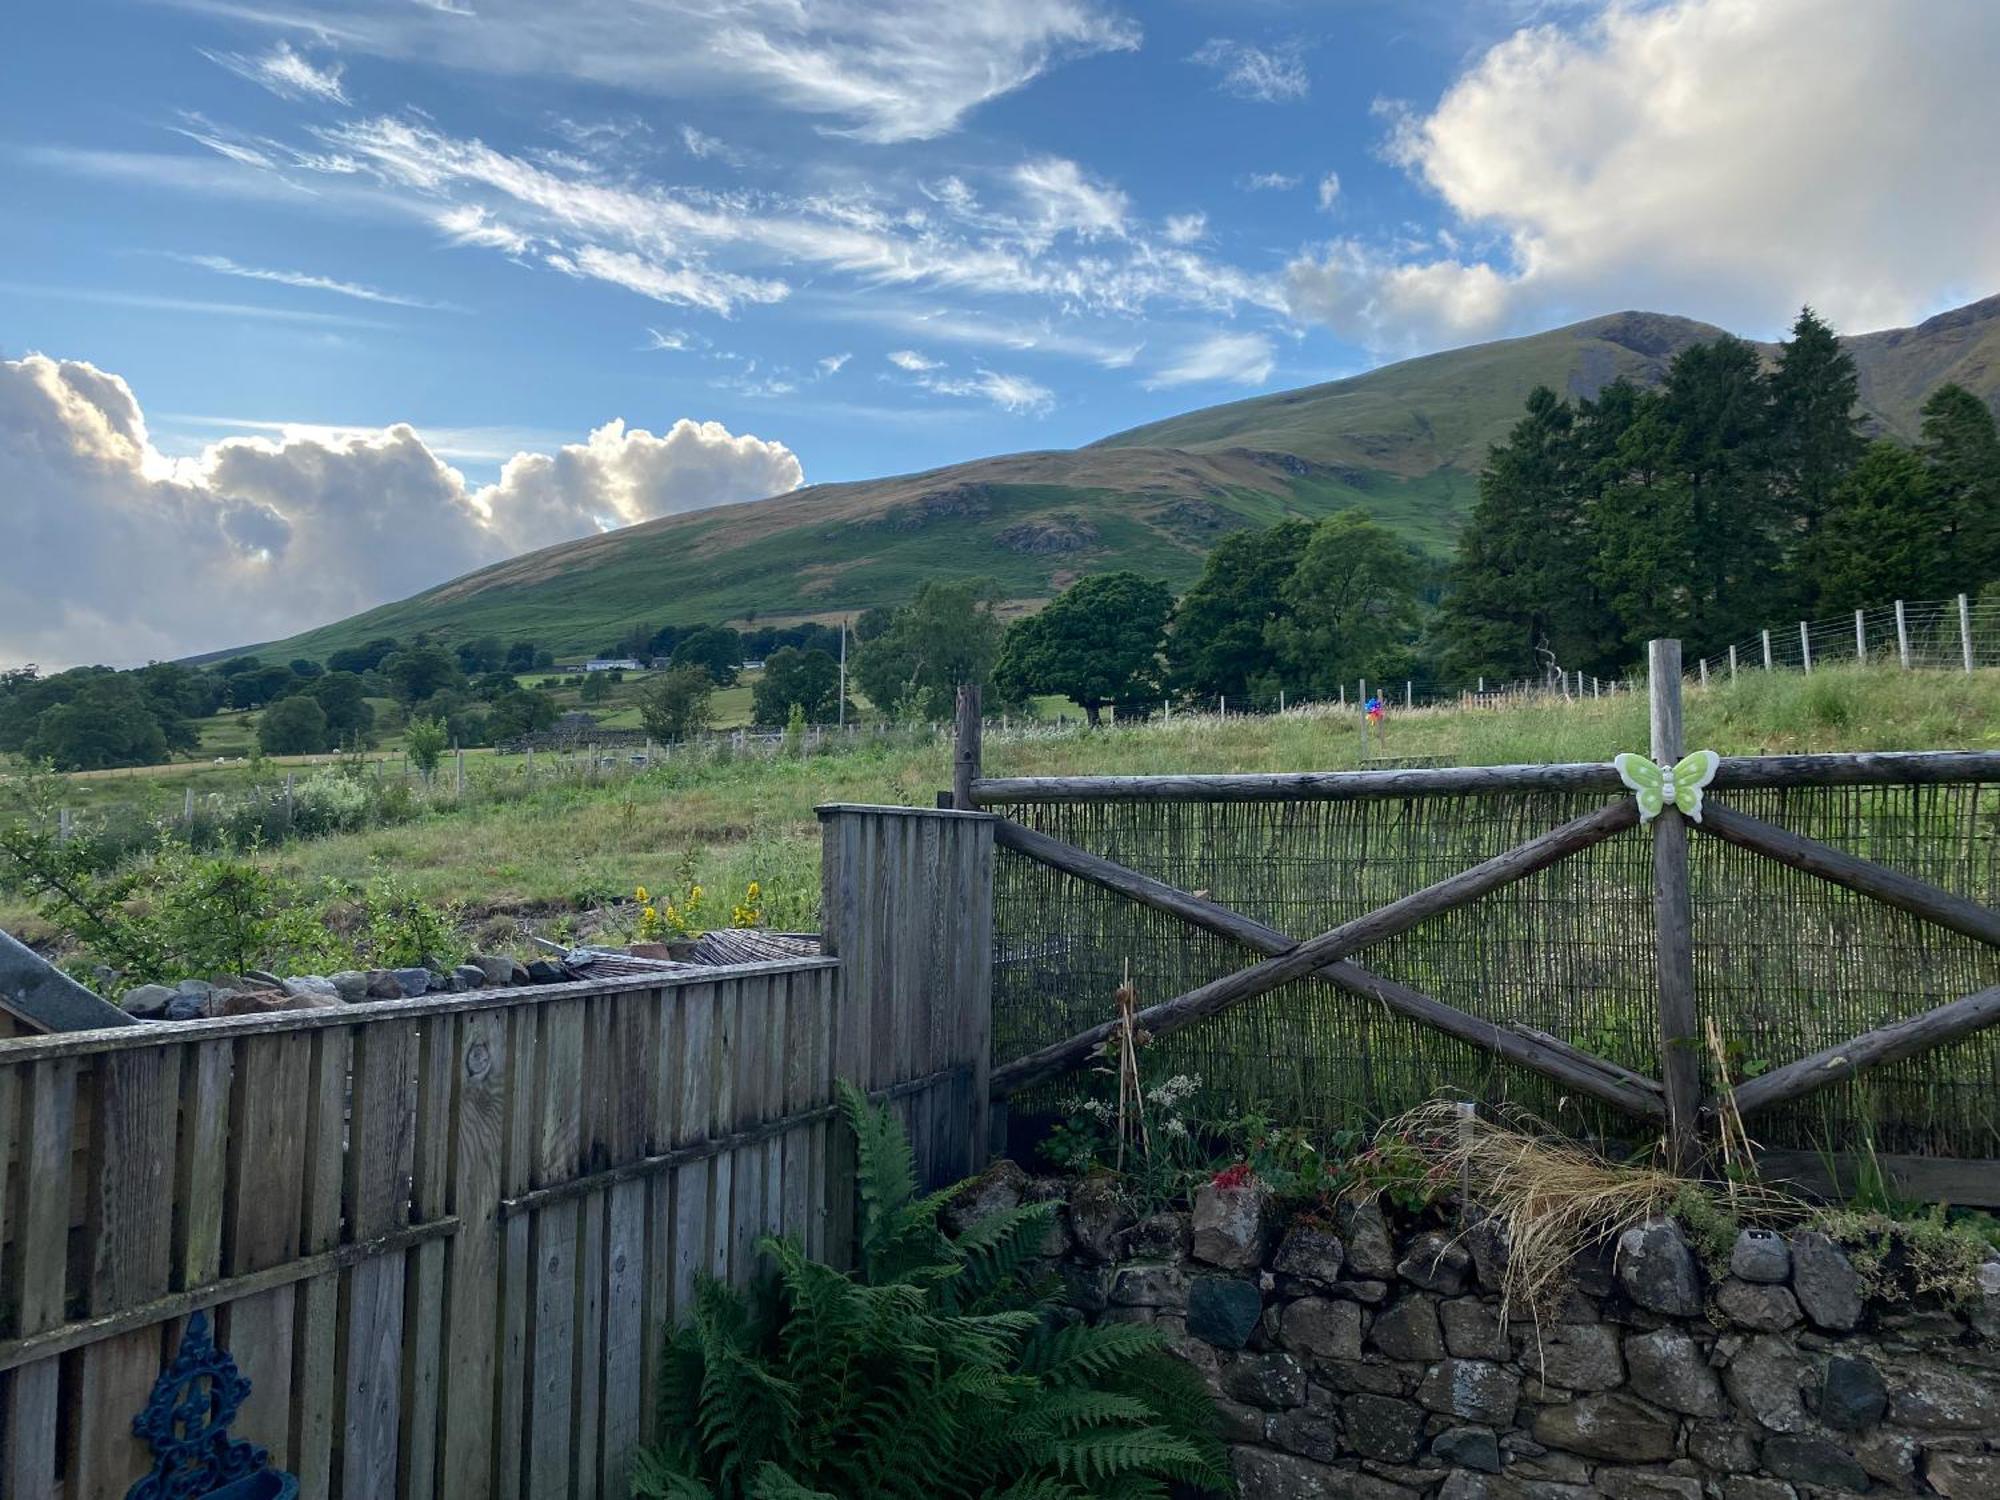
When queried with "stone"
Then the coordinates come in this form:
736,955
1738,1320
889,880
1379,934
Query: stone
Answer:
1223,1311
1462,1484
501,968
146,1001
1668,1369
263,979
1753,1305
1825,1282
186,1007
384,985
1098,1213
1467,1448
1721,1445
1657,1270
1760,1255
1932,1398
1308,1433
997,1190
262,1002
1367,1293
1310,1253
1747,1487
1161,1236
1370,1254
1644,1484
1853,1396
1475,1389
1273,1381
351,985
1765,1379
1805,1459
1144,1285
414,981
470,976
321,989
1322,1327
1237,1423
1232,1224
1408,1330
1437,1263
1964,1476
1575,1356
194,989
1282,1476
1487,1243
1472,1329
1607,1425
1383,1428
1889,1457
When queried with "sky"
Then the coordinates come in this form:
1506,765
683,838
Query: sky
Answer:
305,307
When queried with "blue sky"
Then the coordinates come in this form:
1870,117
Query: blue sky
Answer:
680,252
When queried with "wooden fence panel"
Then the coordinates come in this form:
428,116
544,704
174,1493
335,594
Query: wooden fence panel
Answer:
444,1238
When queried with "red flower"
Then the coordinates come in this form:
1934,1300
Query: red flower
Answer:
1233,1177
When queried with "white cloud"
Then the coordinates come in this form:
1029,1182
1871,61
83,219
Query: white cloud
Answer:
1270,75
118,552
285,73
1186,229
910,359
885,70
671,341
833,364
1729,159
1063,199
686,285
196,305
1270,182
223,265
1233,358
705,147
1010,393
1329,190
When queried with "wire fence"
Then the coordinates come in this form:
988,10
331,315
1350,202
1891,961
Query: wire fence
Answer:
1957,634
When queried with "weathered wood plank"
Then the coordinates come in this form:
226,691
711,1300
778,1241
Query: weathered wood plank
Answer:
424,1353
965,751
478,1146
380,1169
1673,920
1886,1044
316,1399
722,1120
509,1428
1962,1182
747,1165
553,1331
628,1342
692,1187
1301,959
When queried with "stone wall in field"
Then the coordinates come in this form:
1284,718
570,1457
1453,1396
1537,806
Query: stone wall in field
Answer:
1365,1361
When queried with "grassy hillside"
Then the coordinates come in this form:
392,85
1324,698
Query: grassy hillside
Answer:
1404,442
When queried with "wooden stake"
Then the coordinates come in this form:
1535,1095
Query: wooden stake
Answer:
1902,637
1673,920
1965,631
965,755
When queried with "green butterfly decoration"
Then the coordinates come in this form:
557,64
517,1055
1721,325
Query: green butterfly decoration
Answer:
1657,787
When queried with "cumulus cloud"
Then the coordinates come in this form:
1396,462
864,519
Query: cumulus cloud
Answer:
285,73
1269,75
881,70
1730,159
118,552
1232,358
1329,190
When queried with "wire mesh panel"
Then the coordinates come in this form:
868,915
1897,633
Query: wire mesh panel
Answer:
1785,964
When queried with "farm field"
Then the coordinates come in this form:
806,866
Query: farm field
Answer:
561,857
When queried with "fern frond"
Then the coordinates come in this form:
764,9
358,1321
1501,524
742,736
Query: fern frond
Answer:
1077,1352
772,1483
655,1477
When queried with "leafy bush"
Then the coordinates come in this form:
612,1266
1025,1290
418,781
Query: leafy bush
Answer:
329,802
401,930
939,1369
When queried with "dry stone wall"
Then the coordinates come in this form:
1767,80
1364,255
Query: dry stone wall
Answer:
1373,1363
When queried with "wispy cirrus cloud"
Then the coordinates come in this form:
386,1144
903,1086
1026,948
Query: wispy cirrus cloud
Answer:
1269,75
308,281
910,359
286,73
1221,358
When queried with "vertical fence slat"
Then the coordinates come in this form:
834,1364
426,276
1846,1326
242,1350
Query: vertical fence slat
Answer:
380,1164
691,1182
423,1299
663,1121
318,1331
39,1268
553,1306
517,1276
722,1119
478,1146
1680,1055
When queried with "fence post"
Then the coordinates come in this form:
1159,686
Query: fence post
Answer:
1860,638
1965,631
1732,663
1767,651
1805,645
1673,919
290,809
1902,637
458,758
1409,694
65,822
187,807
965,747
1704,671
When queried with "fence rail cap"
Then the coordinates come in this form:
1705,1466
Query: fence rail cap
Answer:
827,809
165,1033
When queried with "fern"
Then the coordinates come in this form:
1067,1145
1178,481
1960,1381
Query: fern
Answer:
938,1369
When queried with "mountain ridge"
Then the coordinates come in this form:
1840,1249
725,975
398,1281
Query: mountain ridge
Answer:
1404,441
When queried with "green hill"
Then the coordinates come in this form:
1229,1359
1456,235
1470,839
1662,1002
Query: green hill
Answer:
1405,442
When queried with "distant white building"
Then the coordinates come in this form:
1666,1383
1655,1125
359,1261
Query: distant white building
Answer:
611,664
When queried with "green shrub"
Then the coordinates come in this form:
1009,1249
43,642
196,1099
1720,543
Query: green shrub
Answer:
939,1369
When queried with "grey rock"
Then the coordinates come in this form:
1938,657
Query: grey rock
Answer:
1161,1236
1282,1476
414,981
1933,1398
1748,1487
1143,1285
1487,1242
1756,1305
264,979
194,989
1825,1282
315,986
351,985
1238,1423
546,971
1964,1476
1575,1356
999,1189
1310,1254
1805,1459
1275,1382
1463,1484
1232,1225
1223,1311
1853,1396
1468,1448
1889,1457
1437,1263
146,1000
1765,1379
1383,1428
1760,1255
1408,1330
1472,1329
500,968
470,976
384,985
1607,1425
186,1007
1370,1255
1668,1369
1723,1446
1367,1293
1644,1484
1322,1327
1476,1389
1097,1215
1308,1433
1657,1269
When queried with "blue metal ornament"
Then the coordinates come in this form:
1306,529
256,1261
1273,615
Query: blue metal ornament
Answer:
186,1425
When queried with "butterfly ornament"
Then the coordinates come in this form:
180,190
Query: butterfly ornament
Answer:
1657,786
